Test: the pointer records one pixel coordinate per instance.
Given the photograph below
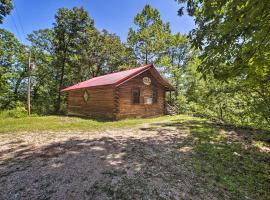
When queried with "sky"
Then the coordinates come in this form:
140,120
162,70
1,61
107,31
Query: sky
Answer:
116,16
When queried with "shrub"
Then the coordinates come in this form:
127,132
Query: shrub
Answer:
17,112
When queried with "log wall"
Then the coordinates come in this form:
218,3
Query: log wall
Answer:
100,104
126,107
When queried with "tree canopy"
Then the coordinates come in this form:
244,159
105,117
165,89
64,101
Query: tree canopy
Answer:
5,8
150,37
233,38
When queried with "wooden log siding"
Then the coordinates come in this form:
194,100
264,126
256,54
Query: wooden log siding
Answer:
100,102
128,109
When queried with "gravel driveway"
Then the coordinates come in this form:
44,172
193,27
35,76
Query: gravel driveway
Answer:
151,161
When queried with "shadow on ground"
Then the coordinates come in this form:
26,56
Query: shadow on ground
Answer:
235,159
160,166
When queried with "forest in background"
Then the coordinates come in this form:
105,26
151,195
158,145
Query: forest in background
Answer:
220,69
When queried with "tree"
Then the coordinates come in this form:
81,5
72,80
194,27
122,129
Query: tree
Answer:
5,8
103,53
69,28
149,39
177,56
233,37
13,63
117,55
45,91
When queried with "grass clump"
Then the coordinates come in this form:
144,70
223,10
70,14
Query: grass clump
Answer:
235,164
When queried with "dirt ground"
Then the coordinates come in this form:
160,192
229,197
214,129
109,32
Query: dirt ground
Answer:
150,161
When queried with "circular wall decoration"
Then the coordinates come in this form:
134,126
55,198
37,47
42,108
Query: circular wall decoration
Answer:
85,96
146,80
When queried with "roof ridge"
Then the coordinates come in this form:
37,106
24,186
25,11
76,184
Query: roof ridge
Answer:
119,72
129,69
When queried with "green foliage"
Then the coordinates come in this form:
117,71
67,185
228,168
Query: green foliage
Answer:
5,8
177,56
232,36
13,63
68,34
18,112
149,40
234,54
103,53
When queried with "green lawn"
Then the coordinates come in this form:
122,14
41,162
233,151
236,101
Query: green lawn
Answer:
62,123
236,160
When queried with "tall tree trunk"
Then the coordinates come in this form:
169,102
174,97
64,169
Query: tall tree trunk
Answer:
176,93
58,103
146,55
98,70
17,85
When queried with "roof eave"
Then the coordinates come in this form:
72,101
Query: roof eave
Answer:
170,88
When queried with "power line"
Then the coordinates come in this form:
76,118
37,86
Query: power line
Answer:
16,28
19,19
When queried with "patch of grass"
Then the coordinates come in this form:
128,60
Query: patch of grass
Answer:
62,123
234,165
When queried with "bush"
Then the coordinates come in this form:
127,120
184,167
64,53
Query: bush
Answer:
182,104
17,112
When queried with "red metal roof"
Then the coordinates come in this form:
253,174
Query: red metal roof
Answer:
111,79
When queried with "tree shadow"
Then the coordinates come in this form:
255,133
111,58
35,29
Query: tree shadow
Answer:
227,157
153,167
85,117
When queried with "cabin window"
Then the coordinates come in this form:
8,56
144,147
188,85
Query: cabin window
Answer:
136,95
155,95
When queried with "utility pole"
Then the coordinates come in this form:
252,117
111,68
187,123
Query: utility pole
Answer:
29,85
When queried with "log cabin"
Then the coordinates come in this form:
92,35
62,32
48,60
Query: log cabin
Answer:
138,92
